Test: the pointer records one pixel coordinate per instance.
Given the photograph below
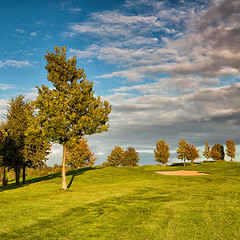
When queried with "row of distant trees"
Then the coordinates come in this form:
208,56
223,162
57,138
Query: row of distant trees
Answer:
186,151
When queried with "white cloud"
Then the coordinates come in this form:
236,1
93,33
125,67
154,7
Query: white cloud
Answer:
15,63
6,86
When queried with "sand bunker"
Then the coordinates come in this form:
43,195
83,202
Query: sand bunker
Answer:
182,173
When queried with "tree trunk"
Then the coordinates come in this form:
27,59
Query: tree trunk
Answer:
4,180
17,174
64,184
184,163
24,173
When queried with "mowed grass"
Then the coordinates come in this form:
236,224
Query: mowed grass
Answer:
125,203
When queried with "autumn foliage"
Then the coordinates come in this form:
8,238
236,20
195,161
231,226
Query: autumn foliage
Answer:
162,152
230,149
79,154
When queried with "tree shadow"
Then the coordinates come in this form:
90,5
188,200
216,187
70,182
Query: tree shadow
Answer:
74,173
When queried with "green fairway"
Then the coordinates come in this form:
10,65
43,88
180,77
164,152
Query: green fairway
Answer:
125,203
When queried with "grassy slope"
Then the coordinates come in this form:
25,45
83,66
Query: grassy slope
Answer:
126,203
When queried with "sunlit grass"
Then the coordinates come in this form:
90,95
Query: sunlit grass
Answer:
126,203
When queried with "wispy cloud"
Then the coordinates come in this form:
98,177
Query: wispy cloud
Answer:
6,86
15,63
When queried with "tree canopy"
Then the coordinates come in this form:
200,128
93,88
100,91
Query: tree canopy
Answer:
217,152
69,110
130,158
162,152
20,148
79,154
116,157
181,151
207,150
230,149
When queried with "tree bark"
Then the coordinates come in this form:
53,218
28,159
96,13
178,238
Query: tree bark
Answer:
17,174
184,163
4,180
64,183
24,173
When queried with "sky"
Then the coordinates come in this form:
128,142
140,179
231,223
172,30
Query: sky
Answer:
170,69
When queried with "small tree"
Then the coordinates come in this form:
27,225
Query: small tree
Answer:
181,151
162,152
69,110
79,154
192,153
207,151
230,149
217,148
116,157
130,158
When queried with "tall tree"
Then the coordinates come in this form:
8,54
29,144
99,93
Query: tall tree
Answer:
16,124
192,153
130,158
162,152
181,151
69,110
207,151
79,154
20,148
231,149
116,156
220,149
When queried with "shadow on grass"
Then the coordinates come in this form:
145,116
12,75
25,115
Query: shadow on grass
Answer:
74,173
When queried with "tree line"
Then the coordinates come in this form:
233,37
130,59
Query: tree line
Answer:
185,152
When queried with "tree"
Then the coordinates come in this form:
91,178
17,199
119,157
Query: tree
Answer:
192,153
130,158
116,157
24,146
3,135
79,154
162,152
16,124
217,148
207,151
230,149
181,151
69,110
215,155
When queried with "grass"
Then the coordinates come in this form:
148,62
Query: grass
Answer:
125,203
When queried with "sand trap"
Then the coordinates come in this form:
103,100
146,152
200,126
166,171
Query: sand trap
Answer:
182,173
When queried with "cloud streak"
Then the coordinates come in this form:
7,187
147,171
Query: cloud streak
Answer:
15,63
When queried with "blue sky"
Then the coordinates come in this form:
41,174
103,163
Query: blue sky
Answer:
170,69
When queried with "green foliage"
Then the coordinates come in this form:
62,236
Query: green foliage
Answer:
181,151
130,158
217,152
207,151
79,154
162,152
126,203
116,157
231,149
69,110
24,145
